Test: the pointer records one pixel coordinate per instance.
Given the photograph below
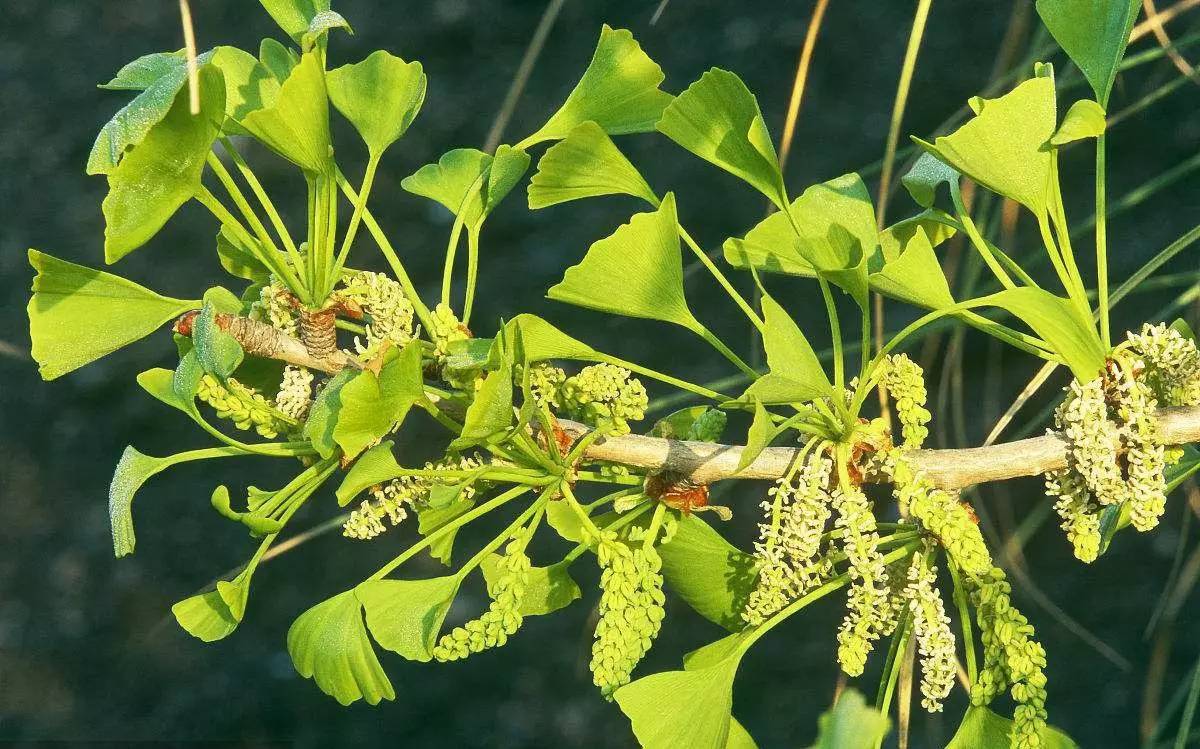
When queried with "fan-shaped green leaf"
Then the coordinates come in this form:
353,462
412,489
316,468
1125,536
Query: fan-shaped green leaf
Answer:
163,171
159,77
294,120
372,405
927,173
78,314
205,616
381,97
547,590
324,412
835,225
937,225
915,276
1005,146
618,91
636,271
983,729
541,341
718,119
294,16
491,412
585,164
455,181
1085,119
770,247
217,352
1059,324
374,466
279,60
508,166
851,724
1094,34
714,577
405,616
681,709
329,644
320,25
795,371
133,470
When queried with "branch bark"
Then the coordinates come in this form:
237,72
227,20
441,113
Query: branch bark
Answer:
706,462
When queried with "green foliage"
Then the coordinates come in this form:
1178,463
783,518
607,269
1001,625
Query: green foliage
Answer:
1094,34
1059,323
983,729
372,405
547,590
914,275
469,182
163,172
295,16
1085,119
329,644
585,164
682,709
718,119
851,724
618,91
293,119
381,97
1004,146
405,615
795,374
636,271
708,572
77,314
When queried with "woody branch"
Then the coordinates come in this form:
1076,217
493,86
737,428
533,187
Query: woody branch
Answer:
707,462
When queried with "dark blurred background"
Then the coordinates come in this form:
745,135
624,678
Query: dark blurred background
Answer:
88,649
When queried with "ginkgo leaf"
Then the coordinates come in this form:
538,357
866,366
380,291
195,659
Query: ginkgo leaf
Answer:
718,119
937,225
491,412
851,724
762,431
163,171
795,371
372,405
133,470
618,91
928,172
547,589
294,119
710,574
508,167
329,644
1085,119
983,729
455,181
681,709
585,164
1059,323
405,616
835,225
541,341
1094,34
248,85
278,59
78,314
217,352
294,16
158,77
636,271
770,246
1005,146
324,412
320,26
205,616
375,466
915,275
381,97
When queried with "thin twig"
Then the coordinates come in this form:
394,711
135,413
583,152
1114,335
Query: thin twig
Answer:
800,81
1161,17
1164,40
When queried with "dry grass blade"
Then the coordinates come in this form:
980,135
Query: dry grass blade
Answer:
1161,17
189,43
536,43
1164,40
799,82
658,12
13,352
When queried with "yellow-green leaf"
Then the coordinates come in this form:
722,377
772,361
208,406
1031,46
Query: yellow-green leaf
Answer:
983,729
547,589
163,171
539,341
618,91
405,616
927,173
795,371
915,275
1085,119
294,120
381,97
682,709
1005,146
636,271
294,16
851,724
1059,323
329,644
78,314
373,405
585,164
718,119
711,575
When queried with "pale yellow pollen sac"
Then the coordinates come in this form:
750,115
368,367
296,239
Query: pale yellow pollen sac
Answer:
868,607
389,310
295,392
393,500
631,609
503,617
905,383
931,626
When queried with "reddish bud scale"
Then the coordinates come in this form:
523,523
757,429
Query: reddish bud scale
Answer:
676,492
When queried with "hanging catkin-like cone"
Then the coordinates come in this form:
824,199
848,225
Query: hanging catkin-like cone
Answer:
318,333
